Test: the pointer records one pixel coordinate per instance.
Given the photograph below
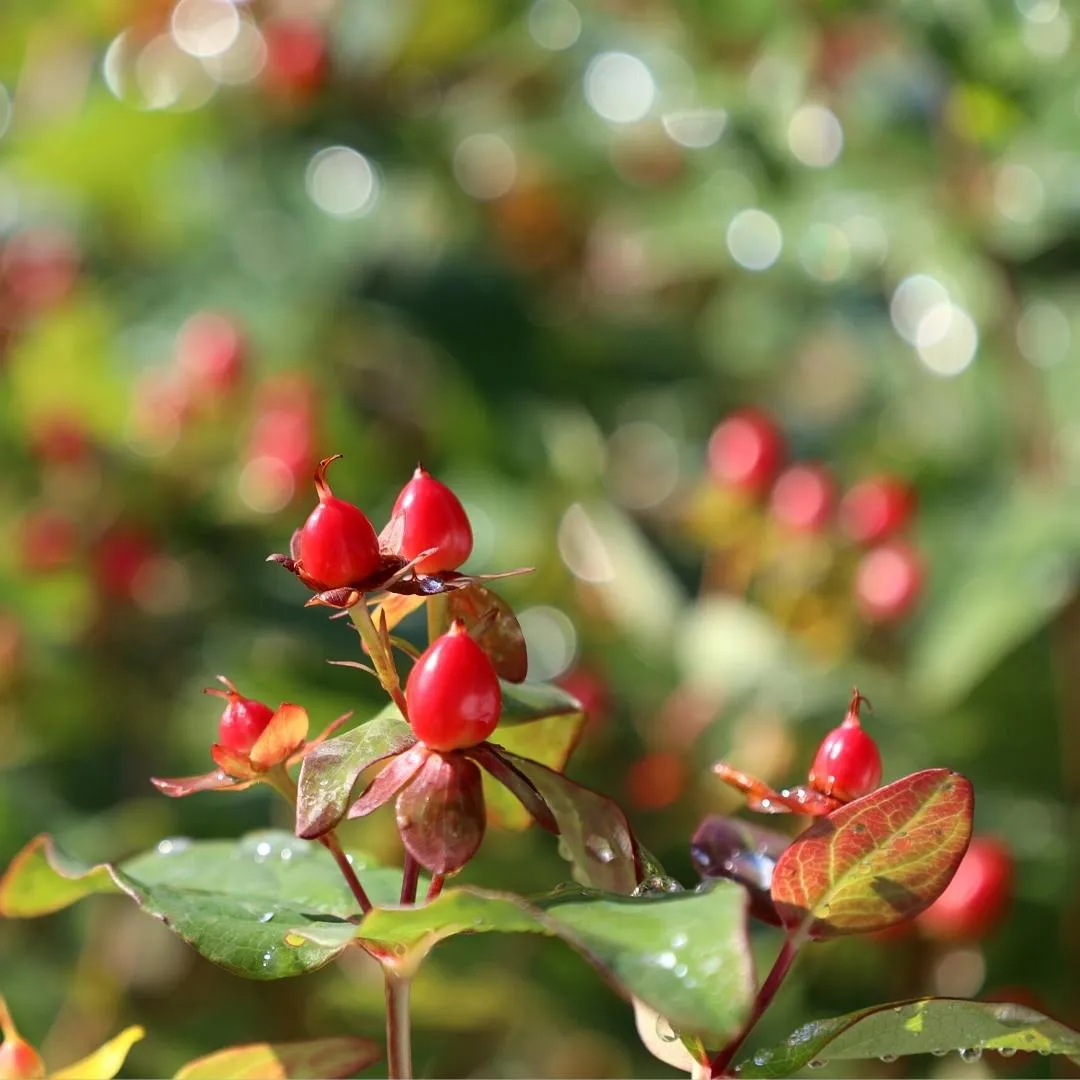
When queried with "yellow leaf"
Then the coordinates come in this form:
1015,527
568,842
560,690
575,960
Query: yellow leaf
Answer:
105,1062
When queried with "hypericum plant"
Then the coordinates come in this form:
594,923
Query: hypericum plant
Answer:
464,742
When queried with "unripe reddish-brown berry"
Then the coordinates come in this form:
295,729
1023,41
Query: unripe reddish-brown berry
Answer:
338,545
431,516
978,896
453,693
745,450
847,764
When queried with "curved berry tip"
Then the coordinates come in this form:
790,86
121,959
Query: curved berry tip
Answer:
322,486
857,701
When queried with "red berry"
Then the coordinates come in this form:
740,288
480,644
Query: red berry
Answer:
888,581
39,267
242,722
19,1060
591,690
847,764
295,56
338,545
977,898
656,780
802,498
47,541
875,509
60,440
745,451
432,516
453,693
210,353
120,555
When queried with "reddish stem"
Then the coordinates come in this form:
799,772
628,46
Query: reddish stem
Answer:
720,1063
330,842
410,878
436,887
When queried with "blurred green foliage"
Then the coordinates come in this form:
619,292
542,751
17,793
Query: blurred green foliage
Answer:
544,248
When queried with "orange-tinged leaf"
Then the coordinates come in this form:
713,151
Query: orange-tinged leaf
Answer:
323,1058
105,1062
287,729
497,630
877,861
395,607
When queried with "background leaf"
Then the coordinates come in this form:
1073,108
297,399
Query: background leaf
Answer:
331,1058
878,860
105,1062
929,1025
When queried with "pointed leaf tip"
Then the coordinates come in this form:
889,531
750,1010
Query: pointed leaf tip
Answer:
105,1062
330,1058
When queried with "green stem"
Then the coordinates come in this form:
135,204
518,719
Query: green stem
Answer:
398,1027
721,1062
437,616
383,661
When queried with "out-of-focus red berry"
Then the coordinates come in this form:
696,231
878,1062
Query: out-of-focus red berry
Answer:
284,431
431,516
338,545
47,541
803,498
875,509
745,451
242,722
296,56
118,557
453,694
977,898
210,354
591,690
888,581
39,266
19,1060
59,440
847,764
656,780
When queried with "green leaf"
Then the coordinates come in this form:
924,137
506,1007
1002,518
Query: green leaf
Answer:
328,1059
684,954
330,771
232,901
594,834
540,722
878,860
41,880
926,1026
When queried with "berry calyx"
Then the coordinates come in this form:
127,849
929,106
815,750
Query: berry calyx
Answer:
847,764
802,498
888,581
242,721
745,451
875,509
431,516
338,545
978,896
453,693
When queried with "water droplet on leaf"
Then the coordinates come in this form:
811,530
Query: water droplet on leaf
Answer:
971,1053
888,1058
664,1031
1006,1051
266,917
817,1063
173,845
600,849
939,1053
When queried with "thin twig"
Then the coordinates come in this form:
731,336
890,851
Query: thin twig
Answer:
410,878
330,842
398,1027
435,888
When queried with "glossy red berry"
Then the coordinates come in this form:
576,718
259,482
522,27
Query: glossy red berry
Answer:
745,451
453,693
875,509
431,516
803,498
847,764
338,545
888,581
242,722
210,353
978,896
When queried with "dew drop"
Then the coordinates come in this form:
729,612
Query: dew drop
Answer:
971,1053
664,1031
679,940
761,1058
286,853
268,958
173,845
680,971
817,1063
600,849
1007,1051
667,960
266,917
888,1058
262,850
1043,1052
939,1053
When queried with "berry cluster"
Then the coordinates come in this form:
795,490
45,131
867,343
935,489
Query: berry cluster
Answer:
863,527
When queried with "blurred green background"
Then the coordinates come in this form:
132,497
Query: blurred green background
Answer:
545,248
